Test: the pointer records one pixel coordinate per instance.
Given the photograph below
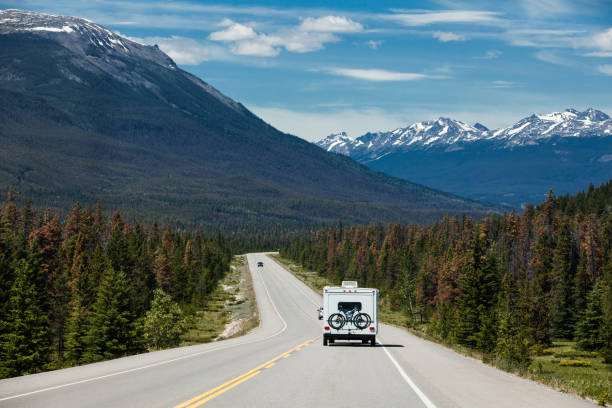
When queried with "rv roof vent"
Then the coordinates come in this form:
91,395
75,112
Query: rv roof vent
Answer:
349,284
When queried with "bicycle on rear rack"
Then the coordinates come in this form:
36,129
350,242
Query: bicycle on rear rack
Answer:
360,320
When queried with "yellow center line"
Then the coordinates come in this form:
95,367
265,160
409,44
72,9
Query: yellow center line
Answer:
238,380
197,404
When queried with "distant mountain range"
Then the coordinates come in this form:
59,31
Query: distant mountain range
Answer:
87,114
563,151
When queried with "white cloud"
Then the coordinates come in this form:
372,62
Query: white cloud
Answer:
186,51
448,36
546,8
603,40
374,44
330,24
491,54
379,75
503,84
233,32
552,58
446,16
311,35
261,46
602,54
605,69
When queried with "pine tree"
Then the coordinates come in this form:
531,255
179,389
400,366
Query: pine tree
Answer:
113,332
25,343
468,319
563,267
512,346
590,327
542,265
607,311
77,342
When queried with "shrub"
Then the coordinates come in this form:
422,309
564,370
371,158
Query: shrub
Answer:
164,323
574,353
539,350
602,398
575,363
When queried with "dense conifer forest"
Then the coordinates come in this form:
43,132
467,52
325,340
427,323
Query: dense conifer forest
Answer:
503,284
87,287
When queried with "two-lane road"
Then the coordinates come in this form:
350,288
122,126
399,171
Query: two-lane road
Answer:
283,364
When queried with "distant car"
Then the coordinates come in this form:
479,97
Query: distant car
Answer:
320,310
259,263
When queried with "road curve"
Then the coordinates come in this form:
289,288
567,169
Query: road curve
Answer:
283,363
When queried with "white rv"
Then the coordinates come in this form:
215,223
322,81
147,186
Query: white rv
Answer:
350,313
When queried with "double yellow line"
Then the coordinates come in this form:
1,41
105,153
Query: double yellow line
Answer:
215,392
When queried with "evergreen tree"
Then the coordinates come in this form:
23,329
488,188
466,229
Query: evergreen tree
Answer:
607,311
512,346
468,319
25,342
590,328
77,341
113,332
542,265
563,266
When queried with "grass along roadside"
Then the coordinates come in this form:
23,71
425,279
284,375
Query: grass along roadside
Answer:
231,310
590,379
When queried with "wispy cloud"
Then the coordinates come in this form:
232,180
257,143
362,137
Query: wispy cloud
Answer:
491,54
546,8
378,75
552,58
330,24
374,44
605,69
448,36
601,54
503,84
423,18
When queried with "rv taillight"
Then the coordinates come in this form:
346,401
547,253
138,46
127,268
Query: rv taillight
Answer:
326,327
372,328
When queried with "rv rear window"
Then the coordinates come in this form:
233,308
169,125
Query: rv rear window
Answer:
348,306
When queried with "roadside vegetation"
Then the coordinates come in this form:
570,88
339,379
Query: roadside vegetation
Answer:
530,293
230,311
90,288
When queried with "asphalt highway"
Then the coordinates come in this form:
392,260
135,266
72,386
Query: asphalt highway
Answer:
283,363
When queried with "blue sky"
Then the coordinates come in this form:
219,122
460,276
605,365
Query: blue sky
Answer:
316,67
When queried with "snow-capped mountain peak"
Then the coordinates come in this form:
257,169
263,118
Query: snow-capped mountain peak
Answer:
337,142
95,49
451,135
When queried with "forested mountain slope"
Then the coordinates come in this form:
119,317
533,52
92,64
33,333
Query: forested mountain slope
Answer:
86,114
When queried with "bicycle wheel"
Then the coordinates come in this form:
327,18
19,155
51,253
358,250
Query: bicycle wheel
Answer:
336,321
362,320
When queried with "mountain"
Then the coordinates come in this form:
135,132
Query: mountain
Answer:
87,114
511,166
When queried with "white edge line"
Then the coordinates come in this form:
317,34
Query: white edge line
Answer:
160,362
399,368
271,301
411,383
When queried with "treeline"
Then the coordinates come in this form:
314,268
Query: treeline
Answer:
80,289
502,284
